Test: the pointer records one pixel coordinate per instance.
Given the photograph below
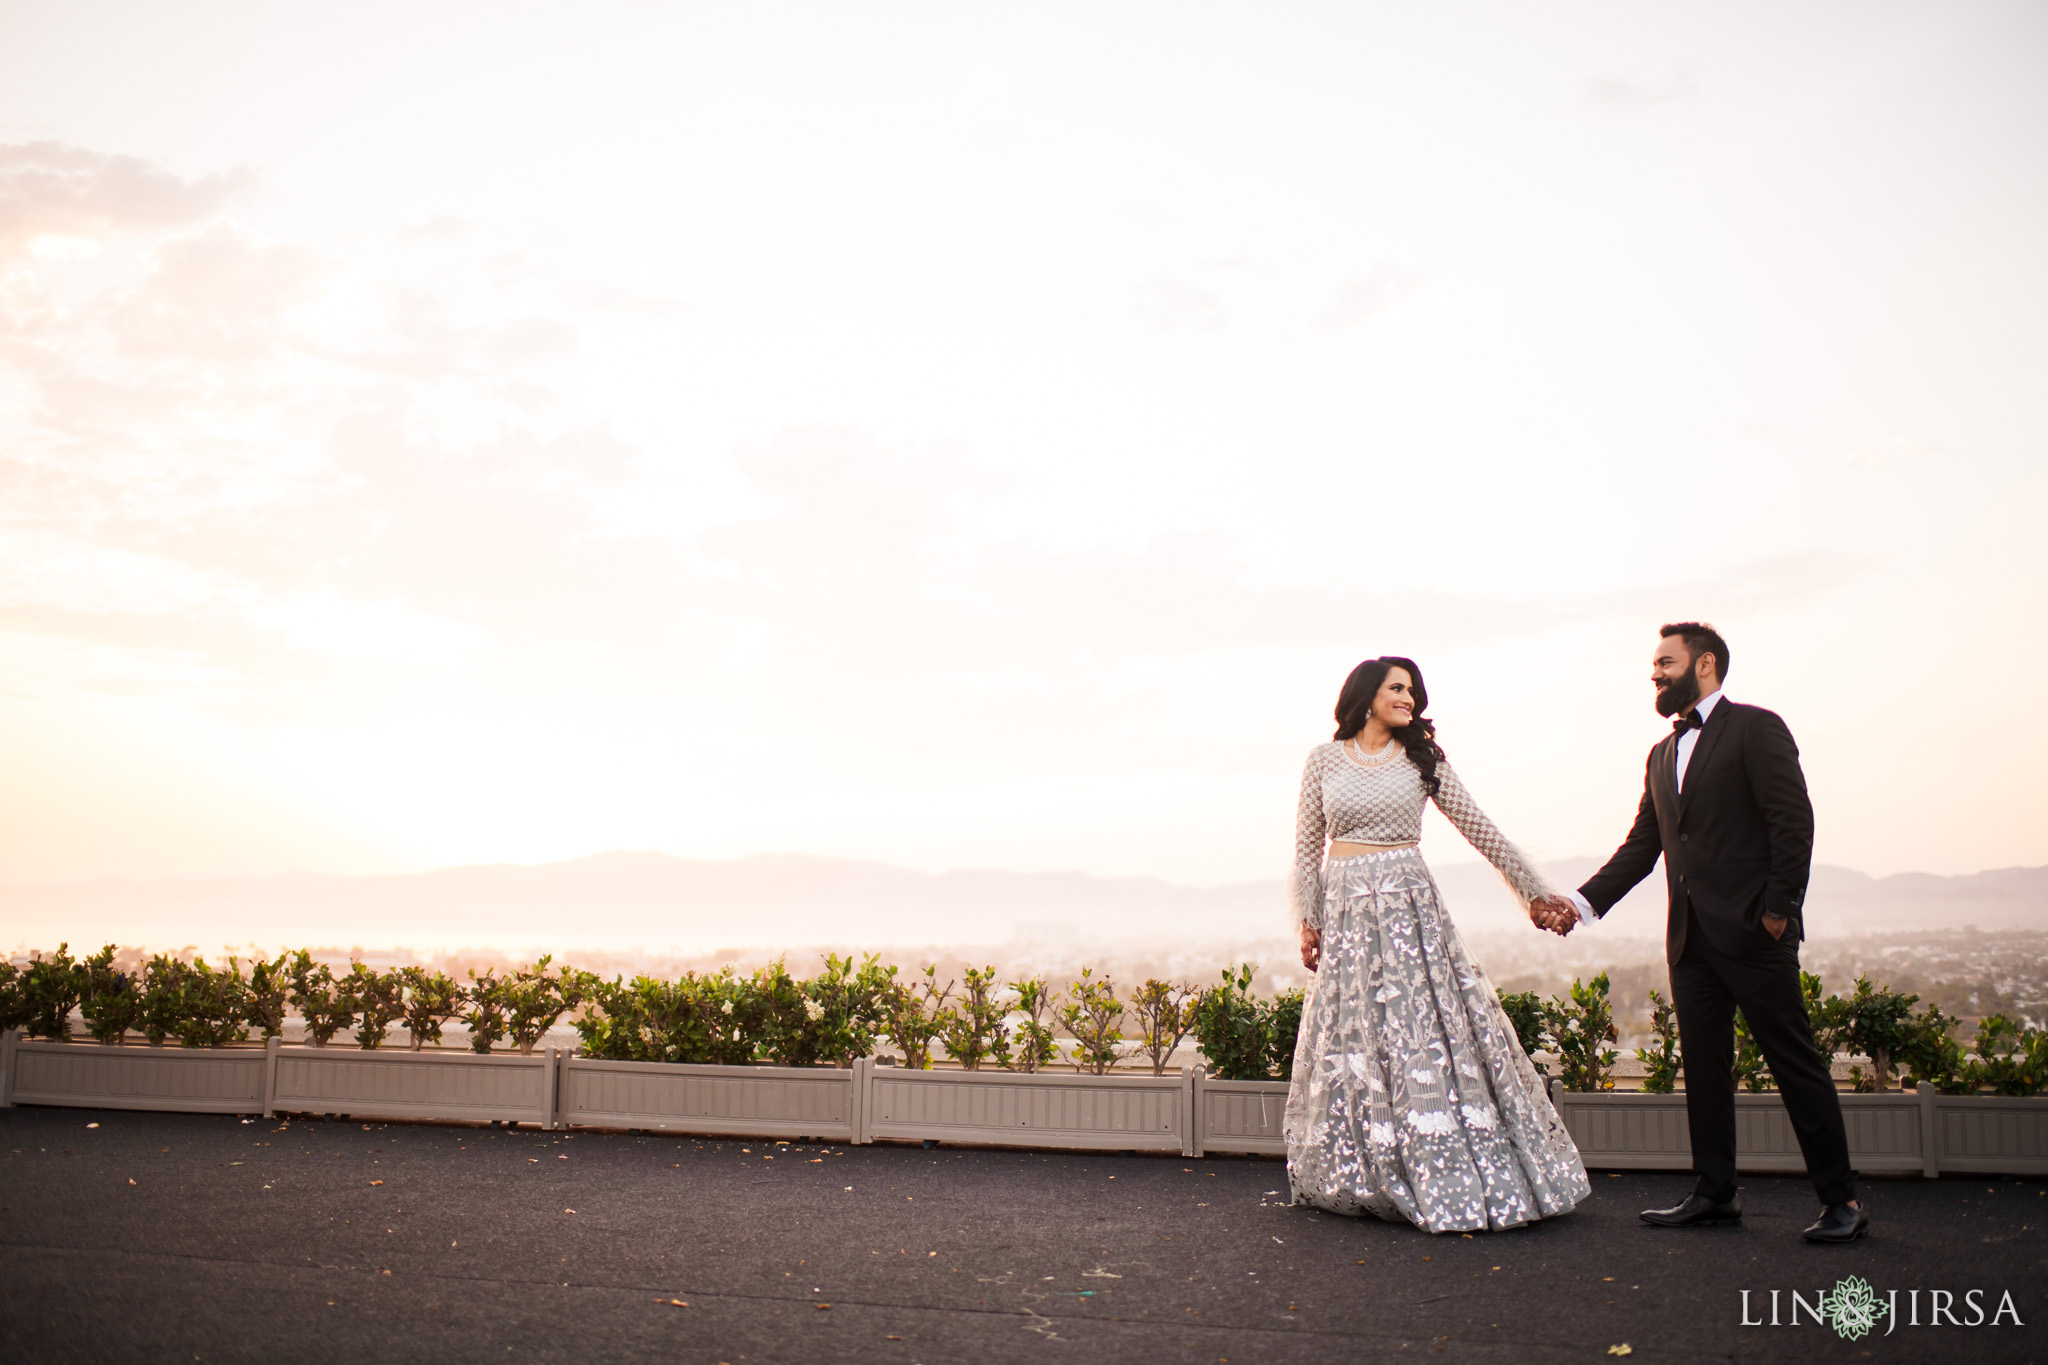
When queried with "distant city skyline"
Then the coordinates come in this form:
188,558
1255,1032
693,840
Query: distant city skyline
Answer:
984,438
768,902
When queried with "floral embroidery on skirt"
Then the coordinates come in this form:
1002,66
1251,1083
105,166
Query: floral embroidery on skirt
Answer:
1412,1098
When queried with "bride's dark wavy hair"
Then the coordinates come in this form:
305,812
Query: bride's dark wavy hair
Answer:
1418,736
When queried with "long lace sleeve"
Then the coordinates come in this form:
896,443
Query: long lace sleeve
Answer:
1306,887
1462,811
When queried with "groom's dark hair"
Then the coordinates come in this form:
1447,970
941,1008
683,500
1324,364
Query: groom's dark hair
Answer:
1701,638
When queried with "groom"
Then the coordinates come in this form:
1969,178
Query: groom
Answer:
1725,802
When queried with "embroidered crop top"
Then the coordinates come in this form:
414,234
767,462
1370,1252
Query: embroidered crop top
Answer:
1343,799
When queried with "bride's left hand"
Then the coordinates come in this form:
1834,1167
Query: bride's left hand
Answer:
1555,914
1311,946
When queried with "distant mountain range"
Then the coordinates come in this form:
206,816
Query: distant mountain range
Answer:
655,900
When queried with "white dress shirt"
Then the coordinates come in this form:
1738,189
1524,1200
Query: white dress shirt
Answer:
1687,742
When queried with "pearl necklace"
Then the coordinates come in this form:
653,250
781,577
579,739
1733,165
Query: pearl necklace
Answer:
1378,760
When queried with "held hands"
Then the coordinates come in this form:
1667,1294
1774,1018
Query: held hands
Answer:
1554,913
1311,946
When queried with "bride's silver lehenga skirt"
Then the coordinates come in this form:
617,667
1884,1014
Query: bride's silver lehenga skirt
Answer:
1411,1097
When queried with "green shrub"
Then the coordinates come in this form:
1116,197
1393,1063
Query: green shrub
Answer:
736,1017
614,1025
1580,1026
1230,1028
1243,1038
710,1020
162,1015
1164,1014
852,1007
1524,1010
832,1018
791,1033
977,1030
318,999
112,1003
2011,1058
53,985
1932,1054
1036,1047
1827,1017
1091,1016
485,1017
917,1016
1282,1019
1880,1026
647,1021
1662,1064
431,1000
215,1002
535,998
14,1006
268,991
374,1000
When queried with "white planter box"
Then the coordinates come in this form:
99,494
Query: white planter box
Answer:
1893,1131
1239,1116
402,1084
1629,1132
2000,1134
223,1080
1186,1113
1039,1109
743,1101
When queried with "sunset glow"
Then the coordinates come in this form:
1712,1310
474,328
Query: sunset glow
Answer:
967,436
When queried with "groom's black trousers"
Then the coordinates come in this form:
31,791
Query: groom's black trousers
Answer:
1707,987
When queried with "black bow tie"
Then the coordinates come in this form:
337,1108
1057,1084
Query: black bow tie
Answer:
1689,721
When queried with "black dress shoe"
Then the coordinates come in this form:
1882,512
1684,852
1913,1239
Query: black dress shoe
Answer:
1697,1211
1838,1223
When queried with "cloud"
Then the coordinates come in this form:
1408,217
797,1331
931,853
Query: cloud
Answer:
530,339
873,553
1375,295
442,227
1616,92
597,296
1168,305
328,623
215,295
50,189
426,341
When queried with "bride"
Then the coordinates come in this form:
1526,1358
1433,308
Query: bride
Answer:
1411,1096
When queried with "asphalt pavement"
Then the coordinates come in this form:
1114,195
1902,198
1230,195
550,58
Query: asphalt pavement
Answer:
178,1237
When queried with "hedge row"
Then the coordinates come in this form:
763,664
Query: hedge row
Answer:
847,1010
716,1018
2011,1055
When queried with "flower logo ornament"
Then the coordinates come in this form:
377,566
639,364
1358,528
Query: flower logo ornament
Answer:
1852,1308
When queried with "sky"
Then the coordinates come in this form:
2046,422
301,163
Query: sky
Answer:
968,435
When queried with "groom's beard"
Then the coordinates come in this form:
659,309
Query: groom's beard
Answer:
1675,698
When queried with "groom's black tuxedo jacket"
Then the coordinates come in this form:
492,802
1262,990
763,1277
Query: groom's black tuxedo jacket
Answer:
1737,843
